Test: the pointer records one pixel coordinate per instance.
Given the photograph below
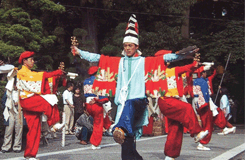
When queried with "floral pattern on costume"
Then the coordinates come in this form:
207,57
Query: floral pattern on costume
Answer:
28,86
88,89
171,82
197,91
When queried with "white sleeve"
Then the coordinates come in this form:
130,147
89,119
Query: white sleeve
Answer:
64,96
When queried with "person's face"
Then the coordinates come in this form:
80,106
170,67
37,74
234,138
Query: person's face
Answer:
77,91
204,75
29,62
70,88
130,49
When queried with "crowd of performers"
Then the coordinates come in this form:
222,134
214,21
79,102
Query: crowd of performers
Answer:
130,79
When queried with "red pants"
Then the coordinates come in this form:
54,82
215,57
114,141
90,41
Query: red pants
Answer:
206,117
179,114
220,120
96,111
147,130
33,107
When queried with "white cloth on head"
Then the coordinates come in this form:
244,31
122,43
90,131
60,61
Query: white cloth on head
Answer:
6,68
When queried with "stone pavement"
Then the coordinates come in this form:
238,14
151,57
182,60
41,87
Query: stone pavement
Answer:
227,147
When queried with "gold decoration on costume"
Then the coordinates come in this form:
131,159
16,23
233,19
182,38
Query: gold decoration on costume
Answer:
106,75
156,75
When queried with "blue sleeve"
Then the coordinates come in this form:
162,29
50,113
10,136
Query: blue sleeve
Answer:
91,57
172,57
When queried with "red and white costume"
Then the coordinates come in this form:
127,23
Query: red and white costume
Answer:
35,92
178,113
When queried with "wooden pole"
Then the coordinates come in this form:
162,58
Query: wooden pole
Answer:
222,77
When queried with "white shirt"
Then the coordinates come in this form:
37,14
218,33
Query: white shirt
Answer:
69,96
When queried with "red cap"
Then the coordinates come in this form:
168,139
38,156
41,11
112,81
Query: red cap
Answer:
92,70
24,55
162,52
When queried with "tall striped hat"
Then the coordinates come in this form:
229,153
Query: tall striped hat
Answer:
132,31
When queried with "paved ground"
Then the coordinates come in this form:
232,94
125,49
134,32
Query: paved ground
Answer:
227,147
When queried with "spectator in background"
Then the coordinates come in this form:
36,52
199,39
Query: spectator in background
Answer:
13,123
225,107
68,108
78,101
84,128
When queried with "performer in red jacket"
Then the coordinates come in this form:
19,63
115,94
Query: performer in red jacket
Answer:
94,106
36,98
179,114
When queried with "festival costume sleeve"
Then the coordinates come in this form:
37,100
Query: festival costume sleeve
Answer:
155,78
181,70
106,78
91,57
186,68
210,79
172,57
49,82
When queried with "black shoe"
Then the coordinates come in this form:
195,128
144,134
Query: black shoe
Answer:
4,151
17,151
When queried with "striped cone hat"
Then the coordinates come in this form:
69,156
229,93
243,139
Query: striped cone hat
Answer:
132,31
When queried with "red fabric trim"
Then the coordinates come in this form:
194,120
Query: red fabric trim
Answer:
210,79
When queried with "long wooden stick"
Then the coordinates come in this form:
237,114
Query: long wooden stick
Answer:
222,77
